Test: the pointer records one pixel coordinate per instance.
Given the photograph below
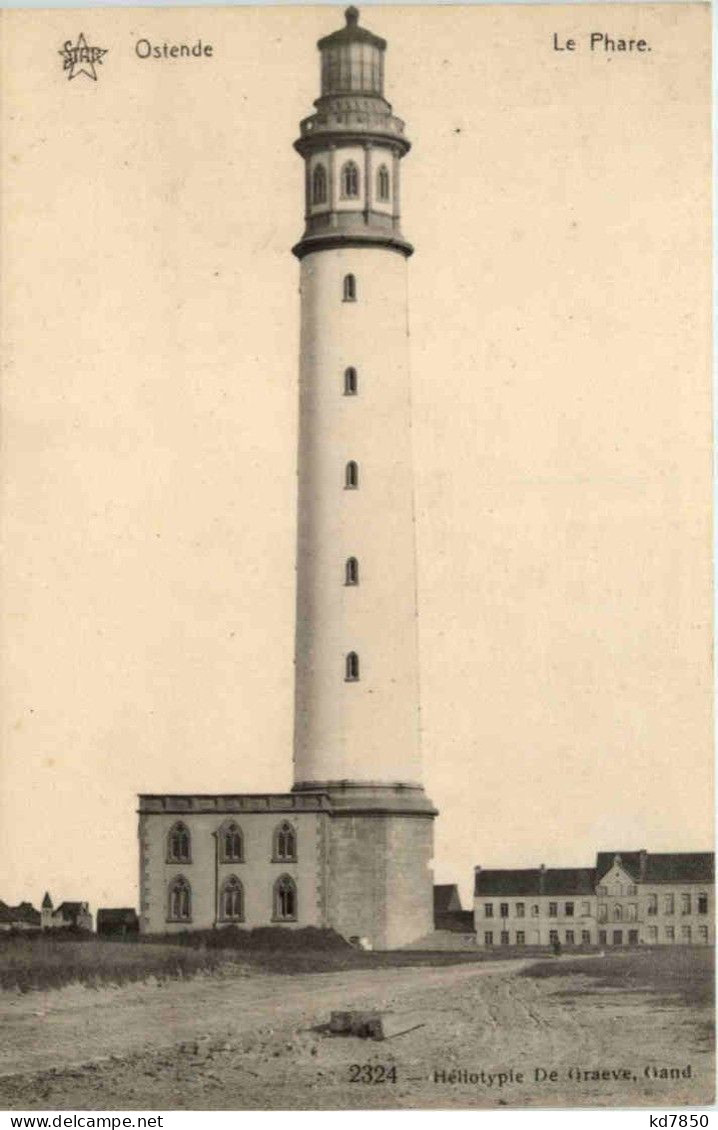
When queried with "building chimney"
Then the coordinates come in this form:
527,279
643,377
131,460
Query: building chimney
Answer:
542,878
642,862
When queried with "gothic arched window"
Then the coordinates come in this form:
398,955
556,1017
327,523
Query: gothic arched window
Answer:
179,902
351,382
178,844
285,842
617,913
349,289
319,185
351,668
285,899
351,571
231,900
382,183
231,844
350,180
351,475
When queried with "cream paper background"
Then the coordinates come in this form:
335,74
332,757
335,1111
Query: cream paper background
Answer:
560,319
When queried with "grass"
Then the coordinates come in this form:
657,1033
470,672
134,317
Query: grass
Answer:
684,973
42,961
52,959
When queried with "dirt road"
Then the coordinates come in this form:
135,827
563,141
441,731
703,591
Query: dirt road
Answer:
247,1041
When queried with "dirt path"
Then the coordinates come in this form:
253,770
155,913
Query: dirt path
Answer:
247,1042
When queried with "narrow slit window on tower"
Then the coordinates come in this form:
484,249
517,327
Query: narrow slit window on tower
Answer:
350,180
351,668
351,383
382,183
351,476
319,185
349,291
351,571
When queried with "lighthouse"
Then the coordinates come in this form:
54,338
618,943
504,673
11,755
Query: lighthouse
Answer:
356,732
350,845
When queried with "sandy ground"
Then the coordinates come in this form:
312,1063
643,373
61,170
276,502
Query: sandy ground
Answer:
249,1041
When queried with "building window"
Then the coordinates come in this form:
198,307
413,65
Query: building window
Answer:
488,910
685,934
585,937
504,910
351,383
652,904
351,668
703,934
179,904
602,912
632,912
489,938
231,845
685,904
535,910
570,939
285,843
382,183
670,933
351,476
703,903
602,890
349,288
653,934
617,912
568,909
585,908
319,185
521,938
231,900
285,899
633,937
178,844
553,910
504,937
602,937
618,937
668,904
631,889
350,180
553,936
351,571
520,909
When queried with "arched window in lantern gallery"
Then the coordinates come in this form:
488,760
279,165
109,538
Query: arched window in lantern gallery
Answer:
178,844
319,185
179,901
351,475
351,571
351,383
349,288
382,183
285,899
285,842
231,900
350,180
231,844
351,668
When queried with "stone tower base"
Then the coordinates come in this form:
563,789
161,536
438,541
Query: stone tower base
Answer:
379,851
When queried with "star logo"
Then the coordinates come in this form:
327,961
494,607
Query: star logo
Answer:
79,59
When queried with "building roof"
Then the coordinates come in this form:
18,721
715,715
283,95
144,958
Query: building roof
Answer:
119,915
536,881
47,901
6,914
351,33
26,912
660,867
66,908
446,898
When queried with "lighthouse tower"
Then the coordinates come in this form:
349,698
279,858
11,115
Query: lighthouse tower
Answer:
357,693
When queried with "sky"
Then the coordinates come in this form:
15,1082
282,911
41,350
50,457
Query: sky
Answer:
560,328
